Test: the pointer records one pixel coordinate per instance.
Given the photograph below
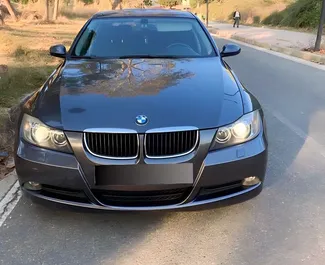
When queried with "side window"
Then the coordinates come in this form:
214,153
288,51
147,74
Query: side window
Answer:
197,42
206,43
85,41
203,42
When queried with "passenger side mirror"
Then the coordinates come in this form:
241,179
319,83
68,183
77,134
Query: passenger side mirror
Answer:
58,51
230,50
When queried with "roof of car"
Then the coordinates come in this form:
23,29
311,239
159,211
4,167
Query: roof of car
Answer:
144,13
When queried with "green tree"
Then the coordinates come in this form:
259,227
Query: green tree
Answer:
87,2
170,3
147,2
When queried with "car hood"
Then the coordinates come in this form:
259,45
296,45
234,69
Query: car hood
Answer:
86,94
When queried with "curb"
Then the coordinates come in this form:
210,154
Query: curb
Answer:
7,183
319,59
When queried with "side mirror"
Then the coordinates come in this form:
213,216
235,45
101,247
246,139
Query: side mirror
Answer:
230,50
58,51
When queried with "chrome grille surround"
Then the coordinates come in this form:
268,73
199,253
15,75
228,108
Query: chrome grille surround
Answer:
112,132
169,131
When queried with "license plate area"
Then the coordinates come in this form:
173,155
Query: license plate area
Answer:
141,175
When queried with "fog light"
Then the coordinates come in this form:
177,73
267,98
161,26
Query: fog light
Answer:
32,185
251,181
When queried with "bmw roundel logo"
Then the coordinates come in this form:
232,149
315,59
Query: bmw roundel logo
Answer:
141,120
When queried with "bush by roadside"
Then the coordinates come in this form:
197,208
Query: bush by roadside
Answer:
274,19
24,77
19,80
256,19
9,118
300,14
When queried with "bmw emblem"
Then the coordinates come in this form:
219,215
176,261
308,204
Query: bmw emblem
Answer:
141,120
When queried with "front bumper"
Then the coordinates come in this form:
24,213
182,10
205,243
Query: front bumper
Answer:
70,179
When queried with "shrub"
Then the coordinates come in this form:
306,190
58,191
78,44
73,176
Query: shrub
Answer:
256,19
87,2
274,19
303,14
21,80
300,14
269,2
70,14
20,51
22,54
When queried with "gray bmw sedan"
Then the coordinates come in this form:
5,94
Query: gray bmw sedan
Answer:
143,113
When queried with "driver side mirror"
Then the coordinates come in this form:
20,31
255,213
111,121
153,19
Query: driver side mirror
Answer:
58,51
230,50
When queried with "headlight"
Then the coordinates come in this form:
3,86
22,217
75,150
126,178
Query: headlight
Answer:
243,130
37,133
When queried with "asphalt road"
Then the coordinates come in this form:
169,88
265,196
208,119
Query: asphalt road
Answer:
285,224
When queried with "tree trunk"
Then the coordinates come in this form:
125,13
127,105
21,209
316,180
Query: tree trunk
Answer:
2,22
56,9
115,4
207,15
10,9
47,14
74,4
320,28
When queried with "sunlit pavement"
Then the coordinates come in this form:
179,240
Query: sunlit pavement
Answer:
285,224
279,37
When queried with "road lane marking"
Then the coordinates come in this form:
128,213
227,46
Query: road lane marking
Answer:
9,201
278,54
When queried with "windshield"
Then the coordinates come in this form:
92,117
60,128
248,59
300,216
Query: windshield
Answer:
144,37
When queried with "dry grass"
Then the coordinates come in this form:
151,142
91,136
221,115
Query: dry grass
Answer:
24,51
249,8
36,36
24,48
